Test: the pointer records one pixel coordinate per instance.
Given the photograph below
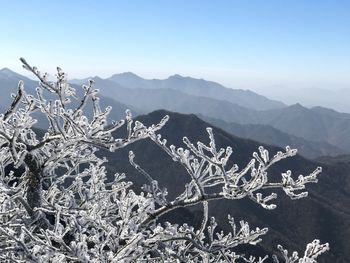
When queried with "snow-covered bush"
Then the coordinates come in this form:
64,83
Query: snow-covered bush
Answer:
57,204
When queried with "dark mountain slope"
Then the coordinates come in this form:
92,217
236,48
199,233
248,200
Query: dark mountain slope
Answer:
325,214
332,160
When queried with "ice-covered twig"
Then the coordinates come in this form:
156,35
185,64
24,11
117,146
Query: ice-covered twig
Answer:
313,250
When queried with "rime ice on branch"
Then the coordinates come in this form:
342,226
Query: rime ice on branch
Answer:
56,204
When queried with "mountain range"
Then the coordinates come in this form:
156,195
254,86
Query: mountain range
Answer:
316,131
317,124
196,87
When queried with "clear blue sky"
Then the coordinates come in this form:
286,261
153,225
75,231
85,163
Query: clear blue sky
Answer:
242,44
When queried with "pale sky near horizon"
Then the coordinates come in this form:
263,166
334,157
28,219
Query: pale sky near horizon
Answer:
241,44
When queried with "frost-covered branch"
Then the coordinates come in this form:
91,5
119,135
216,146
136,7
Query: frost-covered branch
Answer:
57,203
313,250
210,169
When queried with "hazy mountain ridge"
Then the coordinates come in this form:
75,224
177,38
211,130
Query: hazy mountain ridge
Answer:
270,135
315,124
329,97
196,87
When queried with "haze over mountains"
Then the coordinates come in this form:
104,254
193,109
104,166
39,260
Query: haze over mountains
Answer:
197,87
188,95
315,132
335,98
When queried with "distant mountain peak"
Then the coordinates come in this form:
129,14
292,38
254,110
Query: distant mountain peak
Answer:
177,76
127,74
298,106
5,70
8,72
96,78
